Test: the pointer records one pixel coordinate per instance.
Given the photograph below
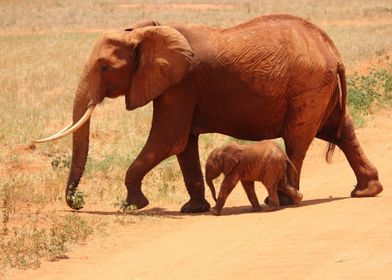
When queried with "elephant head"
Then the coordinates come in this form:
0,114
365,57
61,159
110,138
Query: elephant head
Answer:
140,63
220,160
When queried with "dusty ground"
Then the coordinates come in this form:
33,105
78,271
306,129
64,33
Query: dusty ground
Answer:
331,236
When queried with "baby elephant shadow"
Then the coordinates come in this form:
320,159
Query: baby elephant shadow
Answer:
321,200
246,209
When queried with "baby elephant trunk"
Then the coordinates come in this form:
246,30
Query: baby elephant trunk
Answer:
211,186
213,170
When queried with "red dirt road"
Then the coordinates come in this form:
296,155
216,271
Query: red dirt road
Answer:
330,236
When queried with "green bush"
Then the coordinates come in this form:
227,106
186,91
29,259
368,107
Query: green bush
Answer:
369,92
61,163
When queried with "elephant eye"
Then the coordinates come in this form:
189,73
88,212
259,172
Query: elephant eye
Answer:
104,67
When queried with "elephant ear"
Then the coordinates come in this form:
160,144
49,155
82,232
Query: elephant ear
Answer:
163,57
229,161
143,23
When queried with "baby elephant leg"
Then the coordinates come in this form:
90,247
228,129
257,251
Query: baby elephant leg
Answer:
227,186
293,193
273,197
249,187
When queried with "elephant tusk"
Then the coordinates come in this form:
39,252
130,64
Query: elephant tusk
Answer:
64,129
69,129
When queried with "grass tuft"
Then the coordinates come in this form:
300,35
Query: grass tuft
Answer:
26,245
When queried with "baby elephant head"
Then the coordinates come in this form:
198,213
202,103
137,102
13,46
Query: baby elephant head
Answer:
223,159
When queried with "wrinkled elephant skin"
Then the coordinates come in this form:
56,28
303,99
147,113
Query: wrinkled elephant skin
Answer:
273,76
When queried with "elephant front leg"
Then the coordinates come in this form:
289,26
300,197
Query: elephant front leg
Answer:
227,186
368,183
193,177
148,158
164,140
169,135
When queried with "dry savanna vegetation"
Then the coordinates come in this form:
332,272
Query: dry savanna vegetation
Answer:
43,45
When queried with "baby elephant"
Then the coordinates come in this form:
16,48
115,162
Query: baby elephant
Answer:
263,161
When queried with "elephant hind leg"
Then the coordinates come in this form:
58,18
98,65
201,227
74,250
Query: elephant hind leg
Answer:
249,187
368,183
293,193
303,122
296,145
273,197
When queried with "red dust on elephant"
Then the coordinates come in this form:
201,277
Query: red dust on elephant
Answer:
273,76
263,161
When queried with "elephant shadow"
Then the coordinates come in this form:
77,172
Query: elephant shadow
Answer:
161,212
151,212
246,209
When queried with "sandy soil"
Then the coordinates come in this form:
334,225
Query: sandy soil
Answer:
330,236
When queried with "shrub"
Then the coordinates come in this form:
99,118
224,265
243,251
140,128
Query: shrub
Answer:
369,92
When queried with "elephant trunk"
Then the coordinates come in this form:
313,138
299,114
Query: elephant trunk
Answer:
211,175
80,143
212,187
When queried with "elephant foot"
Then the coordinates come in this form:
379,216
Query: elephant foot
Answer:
137,199
270,208
284,199
194,206
215,211
298,198
373,188
255,209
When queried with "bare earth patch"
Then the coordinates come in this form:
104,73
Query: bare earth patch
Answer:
382,61
18,160
14,168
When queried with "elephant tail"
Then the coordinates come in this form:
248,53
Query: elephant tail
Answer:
342,86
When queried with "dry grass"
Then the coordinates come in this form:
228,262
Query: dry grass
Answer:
70,14
42,50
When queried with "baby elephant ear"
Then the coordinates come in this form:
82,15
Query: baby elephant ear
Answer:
163,57
230,161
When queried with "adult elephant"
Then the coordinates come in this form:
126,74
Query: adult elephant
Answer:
273,76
